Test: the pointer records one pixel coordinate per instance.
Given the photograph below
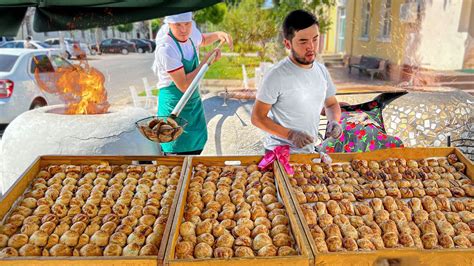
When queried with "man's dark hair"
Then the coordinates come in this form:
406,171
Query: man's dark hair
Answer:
297,20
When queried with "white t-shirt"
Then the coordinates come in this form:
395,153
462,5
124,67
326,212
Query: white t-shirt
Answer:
169,57
297,97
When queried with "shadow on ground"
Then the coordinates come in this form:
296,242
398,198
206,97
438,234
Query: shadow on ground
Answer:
233,119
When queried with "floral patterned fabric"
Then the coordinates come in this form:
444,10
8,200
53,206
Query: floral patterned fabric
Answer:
363,130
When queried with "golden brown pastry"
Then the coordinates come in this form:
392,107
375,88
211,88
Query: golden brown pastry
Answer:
390,239
60,250
100,238
69,238
334,243
244,252
420,216
429,204
466,216
18,240
131,250
268,251
309,214
280,229
356,221
325,220
381,216
226,240
113,250
389,204
206,238
203,250
244,241
282,239
446,241
287,251
187,229
29,250
223,252
260,241
118,238
263,221
430,241
61,229
8,252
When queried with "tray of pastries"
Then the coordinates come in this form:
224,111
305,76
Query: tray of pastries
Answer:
394,203
233,212
90,210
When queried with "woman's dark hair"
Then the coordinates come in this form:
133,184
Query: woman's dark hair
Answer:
297,20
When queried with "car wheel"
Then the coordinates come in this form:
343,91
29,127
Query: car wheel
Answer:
93,52
37,103
141,51
124,51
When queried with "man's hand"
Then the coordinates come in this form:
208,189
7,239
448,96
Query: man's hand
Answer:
300,139
334,130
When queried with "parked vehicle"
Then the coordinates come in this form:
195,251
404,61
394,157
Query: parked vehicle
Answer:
4,39
72,48
142,46
153,44
19,90
114,46
21,44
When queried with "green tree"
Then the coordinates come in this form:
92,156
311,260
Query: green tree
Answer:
251,27
156,24
318,7
213,14
125,28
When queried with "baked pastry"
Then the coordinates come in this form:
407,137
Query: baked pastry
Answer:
131,250
100,238
446,241
8,252
60,250
18,240
242,251
203,250
113,250
226,240
69,238
268,251
223,252
29,250
430,241
282,239
90,250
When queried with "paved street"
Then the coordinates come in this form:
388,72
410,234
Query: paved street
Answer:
122,71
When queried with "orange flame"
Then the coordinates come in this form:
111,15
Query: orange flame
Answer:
81,87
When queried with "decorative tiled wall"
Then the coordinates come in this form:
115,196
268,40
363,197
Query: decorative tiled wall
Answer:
428,118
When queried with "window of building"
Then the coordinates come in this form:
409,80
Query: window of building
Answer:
386,19
365,19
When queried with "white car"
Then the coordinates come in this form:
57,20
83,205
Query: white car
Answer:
19,90
73,48
21,44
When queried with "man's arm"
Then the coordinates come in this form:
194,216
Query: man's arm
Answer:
261,120
333,113
210,38
183,80
332,108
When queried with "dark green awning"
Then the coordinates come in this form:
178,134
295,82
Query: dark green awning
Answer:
54,15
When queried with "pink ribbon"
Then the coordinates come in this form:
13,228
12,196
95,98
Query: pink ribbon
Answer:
280,153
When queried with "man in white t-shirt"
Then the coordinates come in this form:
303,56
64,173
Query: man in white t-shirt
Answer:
293,93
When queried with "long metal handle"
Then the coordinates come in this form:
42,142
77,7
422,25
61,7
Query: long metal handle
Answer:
193,86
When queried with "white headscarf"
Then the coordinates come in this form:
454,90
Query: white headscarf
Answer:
162,35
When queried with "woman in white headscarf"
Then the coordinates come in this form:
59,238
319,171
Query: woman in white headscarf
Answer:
176,64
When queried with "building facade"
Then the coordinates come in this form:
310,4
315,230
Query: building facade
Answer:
425,34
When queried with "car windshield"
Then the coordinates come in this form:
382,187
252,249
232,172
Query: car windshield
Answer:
44,45
7,62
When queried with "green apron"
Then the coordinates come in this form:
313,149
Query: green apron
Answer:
195,133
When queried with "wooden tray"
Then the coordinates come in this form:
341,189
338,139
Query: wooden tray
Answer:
405,256
17,189
305,258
